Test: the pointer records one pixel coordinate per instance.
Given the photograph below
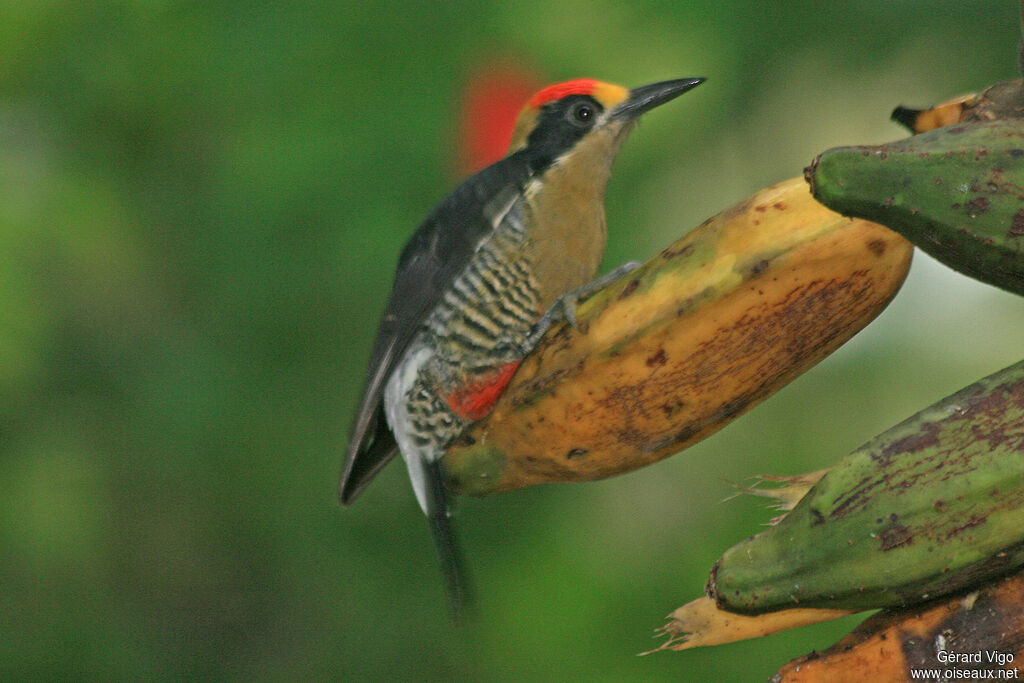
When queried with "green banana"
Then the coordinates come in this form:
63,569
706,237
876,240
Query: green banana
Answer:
956,192
933,505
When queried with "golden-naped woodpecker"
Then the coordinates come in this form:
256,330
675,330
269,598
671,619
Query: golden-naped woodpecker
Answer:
474,282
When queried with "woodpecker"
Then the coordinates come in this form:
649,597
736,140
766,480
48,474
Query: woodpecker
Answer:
479,281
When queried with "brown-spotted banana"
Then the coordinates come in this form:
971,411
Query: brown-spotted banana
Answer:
696,336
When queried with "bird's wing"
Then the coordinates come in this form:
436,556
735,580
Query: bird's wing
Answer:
435,255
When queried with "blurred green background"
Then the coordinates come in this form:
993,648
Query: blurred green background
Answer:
201,205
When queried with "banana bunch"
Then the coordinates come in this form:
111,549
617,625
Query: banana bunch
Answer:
696,336
957,192
933,505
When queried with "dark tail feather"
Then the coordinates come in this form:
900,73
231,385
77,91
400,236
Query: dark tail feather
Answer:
453,566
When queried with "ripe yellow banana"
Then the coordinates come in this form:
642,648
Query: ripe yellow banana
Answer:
699,334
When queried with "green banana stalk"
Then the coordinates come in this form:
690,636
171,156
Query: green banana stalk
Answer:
956,192
933,505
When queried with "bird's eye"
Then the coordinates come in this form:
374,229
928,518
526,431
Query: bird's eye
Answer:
581,113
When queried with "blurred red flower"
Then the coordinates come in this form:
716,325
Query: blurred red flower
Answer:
491,100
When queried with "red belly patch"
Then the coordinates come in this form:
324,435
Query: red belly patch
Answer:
474,400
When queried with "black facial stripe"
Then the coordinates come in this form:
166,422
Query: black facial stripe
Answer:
559,128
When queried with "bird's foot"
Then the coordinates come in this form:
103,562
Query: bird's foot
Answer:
564,307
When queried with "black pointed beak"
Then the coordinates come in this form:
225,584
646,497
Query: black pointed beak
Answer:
648,97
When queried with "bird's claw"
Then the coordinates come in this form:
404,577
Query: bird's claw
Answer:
564,307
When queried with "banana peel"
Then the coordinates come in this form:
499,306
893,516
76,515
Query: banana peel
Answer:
696,336
932,506
892,645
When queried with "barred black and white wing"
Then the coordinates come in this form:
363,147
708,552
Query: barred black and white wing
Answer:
439,250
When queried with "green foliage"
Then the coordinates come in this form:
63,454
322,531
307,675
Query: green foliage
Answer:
200,208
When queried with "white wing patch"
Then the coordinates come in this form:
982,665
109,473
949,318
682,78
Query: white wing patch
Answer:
397,414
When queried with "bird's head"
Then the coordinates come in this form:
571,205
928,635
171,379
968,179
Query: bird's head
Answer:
586,117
